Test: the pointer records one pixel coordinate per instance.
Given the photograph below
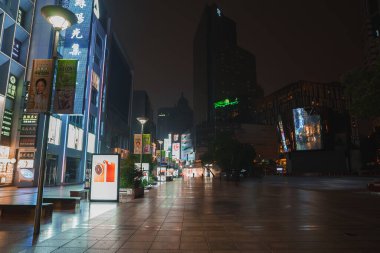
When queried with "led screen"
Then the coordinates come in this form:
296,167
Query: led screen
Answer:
307,130
105,178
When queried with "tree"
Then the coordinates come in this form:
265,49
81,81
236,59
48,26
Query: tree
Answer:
130,177
230,155
363,87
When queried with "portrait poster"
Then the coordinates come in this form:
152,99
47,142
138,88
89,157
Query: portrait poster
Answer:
40,86
146,143
65,86
137,144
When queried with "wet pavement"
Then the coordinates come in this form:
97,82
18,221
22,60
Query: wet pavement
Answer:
274,214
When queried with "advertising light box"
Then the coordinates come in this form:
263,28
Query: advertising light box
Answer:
105,178
307,130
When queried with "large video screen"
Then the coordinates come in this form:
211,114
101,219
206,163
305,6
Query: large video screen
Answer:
307,130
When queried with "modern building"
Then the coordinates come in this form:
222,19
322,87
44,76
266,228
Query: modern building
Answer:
16,22
225,82
371,31
118,116
315,132
142,107
176,119
72,138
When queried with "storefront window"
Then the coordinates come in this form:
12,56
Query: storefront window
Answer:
75,138
72,170
91,143
55,126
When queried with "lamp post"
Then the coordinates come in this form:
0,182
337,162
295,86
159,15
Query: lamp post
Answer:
142,121
160,142
60,18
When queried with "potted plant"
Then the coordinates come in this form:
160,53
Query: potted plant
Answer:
130,180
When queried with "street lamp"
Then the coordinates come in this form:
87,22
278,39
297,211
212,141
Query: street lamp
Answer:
160,142
60,19
142,121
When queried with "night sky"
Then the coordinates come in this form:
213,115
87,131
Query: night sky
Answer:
316,40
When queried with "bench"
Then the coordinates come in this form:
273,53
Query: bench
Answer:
25,210
82,194
63,203
374,186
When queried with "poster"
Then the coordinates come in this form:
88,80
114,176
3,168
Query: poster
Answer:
145,171
137,147
146,143
105,177
40,86
65,86
308,132
176,151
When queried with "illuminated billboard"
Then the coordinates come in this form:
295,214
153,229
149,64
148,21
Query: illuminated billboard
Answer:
307,130
176,148
105,178
282,135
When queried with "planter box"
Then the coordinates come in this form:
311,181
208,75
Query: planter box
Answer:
128,194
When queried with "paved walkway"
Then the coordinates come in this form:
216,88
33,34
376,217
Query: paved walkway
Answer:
203,216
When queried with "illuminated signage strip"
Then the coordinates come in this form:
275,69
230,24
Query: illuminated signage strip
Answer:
76,45
226,102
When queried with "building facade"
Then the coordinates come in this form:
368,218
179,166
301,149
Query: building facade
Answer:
314,128
142,107
16,22
371,9
72,138
118,117
222,72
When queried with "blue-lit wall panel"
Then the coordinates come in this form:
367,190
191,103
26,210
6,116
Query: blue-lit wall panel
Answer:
76,45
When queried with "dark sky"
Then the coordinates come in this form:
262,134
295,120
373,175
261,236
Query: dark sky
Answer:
315,40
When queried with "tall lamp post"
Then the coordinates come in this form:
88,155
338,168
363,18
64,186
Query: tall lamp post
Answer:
60,18
160,141
142,121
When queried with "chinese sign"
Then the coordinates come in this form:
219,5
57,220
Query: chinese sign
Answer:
226,102
76,44
11,91
65,86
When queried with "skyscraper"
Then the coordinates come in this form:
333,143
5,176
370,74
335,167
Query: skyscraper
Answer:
225,83
372,31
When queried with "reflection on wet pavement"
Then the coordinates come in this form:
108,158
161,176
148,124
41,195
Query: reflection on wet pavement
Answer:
268,215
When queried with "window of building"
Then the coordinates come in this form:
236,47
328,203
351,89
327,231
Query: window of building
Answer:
76,121
91,126
94,96
54,135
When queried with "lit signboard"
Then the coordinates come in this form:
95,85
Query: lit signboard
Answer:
105,178
91,143
282,135
7,123
176,150
25,170
145,170
11,91
226,102
307,130
76,45
54,135
29,118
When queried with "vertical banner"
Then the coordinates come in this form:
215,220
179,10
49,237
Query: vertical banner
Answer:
105,177
146,143
65,86
137,144
176,150
40,86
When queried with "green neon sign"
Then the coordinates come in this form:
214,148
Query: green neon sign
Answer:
226,102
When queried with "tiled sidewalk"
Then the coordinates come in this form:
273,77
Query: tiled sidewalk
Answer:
196,216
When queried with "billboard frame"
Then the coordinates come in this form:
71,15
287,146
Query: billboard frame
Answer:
118,178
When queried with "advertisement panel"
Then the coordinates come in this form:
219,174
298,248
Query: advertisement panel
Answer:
307,130
176,151
167,144
105,178
282,135
65,86
25,170
40,86
186,146
146,143
137,147
145,170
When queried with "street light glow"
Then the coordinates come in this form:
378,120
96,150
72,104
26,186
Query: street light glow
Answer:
60,18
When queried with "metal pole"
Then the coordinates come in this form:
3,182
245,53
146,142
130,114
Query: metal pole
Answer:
142,148
41,176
